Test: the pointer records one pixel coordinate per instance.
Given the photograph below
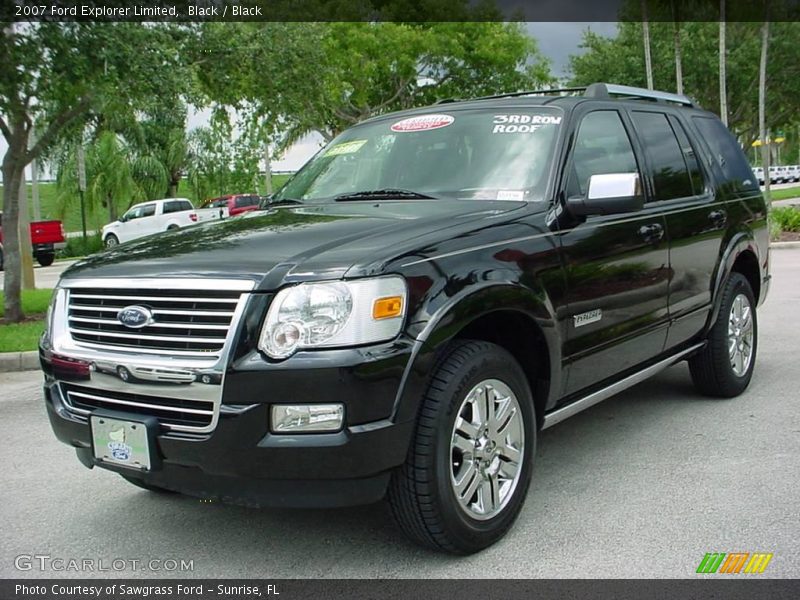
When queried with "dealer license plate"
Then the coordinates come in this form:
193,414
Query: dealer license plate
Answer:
121,442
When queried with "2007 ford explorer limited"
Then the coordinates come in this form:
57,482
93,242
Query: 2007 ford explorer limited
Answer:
406,314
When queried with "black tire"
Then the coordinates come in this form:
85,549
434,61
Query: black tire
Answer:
111,241
140,483
172,227
125,374
45,260
711,369
421,495
1,259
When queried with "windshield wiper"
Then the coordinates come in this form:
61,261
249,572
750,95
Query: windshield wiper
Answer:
282,202
384,194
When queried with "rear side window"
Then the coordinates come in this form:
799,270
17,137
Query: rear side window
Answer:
174,206
670,175
689,155
242,201
726,152
601,146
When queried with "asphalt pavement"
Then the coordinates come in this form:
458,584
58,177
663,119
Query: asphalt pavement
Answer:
45,277
640,486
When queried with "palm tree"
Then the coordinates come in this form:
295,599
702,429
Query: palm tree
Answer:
116,175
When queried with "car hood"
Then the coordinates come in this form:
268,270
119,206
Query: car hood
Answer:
291,243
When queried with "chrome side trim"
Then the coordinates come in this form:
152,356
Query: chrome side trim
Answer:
582,404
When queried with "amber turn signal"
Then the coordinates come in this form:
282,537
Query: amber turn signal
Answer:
386,308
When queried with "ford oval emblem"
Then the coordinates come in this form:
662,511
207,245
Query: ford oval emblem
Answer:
135,317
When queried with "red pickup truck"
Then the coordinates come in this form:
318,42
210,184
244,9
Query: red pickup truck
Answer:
46,238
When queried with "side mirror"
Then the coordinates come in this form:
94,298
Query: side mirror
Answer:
609,193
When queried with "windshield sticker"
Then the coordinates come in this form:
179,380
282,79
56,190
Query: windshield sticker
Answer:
423,123
522,123
345,148
510,195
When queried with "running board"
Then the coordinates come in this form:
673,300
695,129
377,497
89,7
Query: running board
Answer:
574,408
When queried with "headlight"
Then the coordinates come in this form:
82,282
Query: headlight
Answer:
336,313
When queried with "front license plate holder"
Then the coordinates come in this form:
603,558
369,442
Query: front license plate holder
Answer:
123,440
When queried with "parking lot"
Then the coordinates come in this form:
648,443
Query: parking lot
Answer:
642,485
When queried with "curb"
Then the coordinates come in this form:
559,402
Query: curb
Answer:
19,361
785,245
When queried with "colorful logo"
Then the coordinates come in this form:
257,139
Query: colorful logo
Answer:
735,562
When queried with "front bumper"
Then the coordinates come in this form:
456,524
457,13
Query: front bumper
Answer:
211,410
242,462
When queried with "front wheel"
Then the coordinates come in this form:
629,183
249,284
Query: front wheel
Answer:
725,366
469,464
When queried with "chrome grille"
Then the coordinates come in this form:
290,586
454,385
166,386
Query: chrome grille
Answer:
174,413
190,323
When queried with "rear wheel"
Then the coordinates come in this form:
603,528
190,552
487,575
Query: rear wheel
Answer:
111,240
725,366
469,464
45,260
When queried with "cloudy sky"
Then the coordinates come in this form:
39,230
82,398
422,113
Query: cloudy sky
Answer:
557,41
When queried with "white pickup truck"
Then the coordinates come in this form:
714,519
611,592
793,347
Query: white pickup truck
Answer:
147,218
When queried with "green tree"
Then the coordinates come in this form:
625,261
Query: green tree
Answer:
54,76
373,68
288,79
619,60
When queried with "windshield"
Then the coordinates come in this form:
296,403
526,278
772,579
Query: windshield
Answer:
474,154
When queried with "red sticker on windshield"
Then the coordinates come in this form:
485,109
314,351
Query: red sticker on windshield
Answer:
423,123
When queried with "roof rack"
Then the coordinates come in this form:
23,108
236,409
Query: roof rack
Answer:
599,90
606,90
533,93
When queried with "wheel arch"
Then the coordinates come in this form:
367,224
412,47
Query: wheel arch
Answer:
741,256
514,317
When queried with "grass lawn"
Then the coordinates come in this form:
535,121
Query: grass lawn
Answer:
20,337
785,193
48,201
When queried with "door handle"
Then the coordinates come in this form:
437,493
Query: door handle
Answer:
651,233
718,217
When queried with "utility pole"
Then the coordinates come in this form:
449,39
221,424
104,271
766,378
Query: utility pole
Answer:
82,187
648,62
762,93
723,84
267,169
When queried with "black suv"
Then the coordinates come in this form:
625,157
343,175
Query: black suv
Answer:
406,314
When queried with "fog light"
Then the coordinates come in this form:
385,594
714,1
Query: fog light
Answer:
306,418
